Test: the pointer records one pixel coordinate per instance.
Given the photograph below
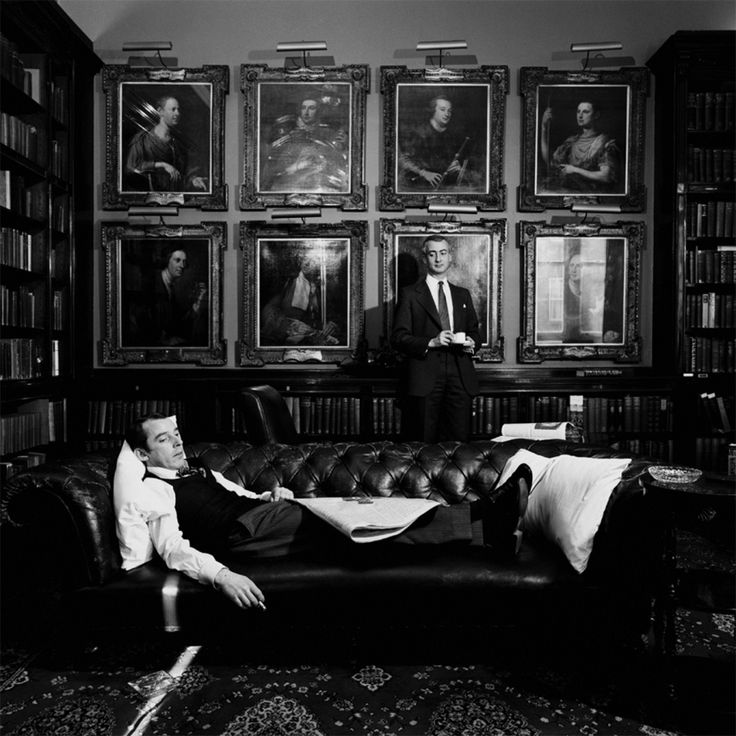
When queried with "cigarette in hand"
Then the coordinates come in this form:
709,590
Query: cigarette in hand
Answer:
261,605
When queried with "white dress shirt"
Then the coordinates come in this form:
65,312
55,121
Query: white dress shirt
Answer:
147,521
433,284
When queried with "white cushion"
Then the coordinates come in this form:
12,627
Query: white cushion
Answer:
568,500
536,463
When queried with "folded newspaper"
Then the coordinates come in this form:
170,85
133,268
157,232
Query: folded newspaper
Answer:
369,521
541,431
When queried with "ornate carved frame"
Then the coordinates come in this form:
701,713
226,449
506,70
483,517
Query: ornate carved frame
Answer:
536,82
114,236
487,241
122,113
330,82
496,80
255,235
626,348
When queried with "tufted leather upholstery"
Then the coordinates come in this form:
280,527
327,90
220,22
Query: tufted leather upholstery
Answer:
69,504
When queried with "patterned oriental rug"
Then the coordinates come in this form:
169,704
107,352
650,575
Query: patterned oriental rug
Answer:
58,691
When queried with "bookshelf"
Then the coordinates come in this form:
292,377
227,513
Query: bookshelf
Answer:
47,69
695,237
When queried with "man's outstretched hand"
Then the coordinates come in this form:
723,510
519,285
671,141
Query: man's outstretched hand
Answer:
240,589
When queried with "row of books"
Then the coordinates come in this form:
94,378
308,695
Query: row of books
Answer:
658,449
25,71
26,139
113,416
21,358
709,355
21,306
326,415
712,219
34,424
60,214
709,309
59,167
17,248
31,201
716,412
710,165
711,266
712,453
9,468
712,110
59,302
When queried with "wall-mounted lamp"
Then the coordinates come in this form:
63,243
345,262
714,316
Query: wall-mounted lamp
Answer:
144,211
302,46
596,208
148,46
446,209
587,48
301,212
441,46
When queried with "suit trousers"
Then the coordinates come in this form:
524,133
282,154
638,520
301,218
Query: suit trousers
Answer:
444,413
282,528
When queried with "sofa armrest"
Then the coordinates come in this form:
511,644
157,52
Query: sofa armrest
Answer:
62,515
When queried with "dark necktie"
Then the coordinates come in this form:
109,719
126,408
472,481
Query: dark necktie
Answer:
442,307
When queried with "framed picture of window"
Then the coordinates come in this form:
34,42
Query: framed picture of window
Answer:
163,294
164,137
583,139
581,291
477,250
443,137
304,137
302,292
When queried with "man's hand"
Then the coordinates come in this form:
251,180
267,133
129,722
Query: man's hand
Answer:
241,590
277,494
442,339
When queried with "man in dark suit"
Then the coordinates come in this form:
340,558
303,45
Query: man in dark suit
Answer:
436,328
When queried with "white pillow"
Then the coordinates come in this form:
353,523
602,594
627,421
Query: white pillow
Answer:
568,501
129,469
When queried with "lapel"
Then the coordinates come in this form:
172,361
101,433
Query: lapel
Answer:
424,297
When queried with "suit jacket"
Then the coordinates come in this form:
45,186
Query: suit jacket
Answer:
417,321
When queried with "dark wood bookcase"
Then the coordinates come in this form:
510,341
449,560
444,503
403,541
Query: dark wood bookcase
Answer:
695,238
46,187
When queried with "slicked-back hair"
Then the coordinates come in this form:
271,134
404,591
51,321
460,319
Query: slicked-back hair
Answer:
135,435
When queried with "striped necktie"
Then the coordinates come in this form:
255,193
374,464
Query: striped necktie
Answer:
442,307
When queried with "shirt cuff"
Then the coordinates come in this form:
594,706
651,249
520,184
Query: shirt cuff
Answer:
210,570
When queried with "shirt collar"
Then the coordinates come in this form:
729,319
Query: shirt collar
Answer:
166,473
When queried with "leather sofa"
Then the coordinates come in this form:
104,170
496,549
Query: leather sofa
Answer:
61,550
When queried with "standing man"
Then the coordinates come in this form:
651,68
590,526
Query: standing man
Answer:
431,317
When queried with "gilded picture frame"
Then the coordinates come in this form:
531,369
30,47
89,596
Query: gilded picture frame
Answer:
163,294
443,137
583,135
164,137
581,291
302,293
304,137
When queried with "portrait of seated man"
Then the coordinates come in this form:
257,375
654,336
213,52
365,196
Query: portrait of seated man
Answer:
441,144
307,148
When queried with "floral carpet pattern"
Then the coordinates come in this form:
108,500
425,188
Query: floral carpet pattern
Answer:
59,690
88,694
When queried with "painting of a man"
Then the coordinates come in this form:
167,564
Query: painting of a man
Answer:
304,138
442,136
303,293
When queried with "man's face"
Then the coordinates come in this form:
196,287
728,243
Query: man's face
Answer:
169,113
177,263
308,111
586,114
438,256
164,448
574,268
442,112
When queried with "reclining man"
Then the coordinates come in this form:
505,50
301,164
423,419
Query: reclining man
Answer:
194,517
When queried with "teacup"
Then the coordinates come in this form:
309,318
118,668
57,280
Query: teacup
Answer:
459,338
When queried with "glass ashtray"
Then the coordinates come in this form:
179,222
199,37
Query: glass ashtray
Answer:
674,474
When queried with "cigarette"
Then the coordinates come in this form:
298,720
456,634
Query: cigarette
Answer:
261,605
